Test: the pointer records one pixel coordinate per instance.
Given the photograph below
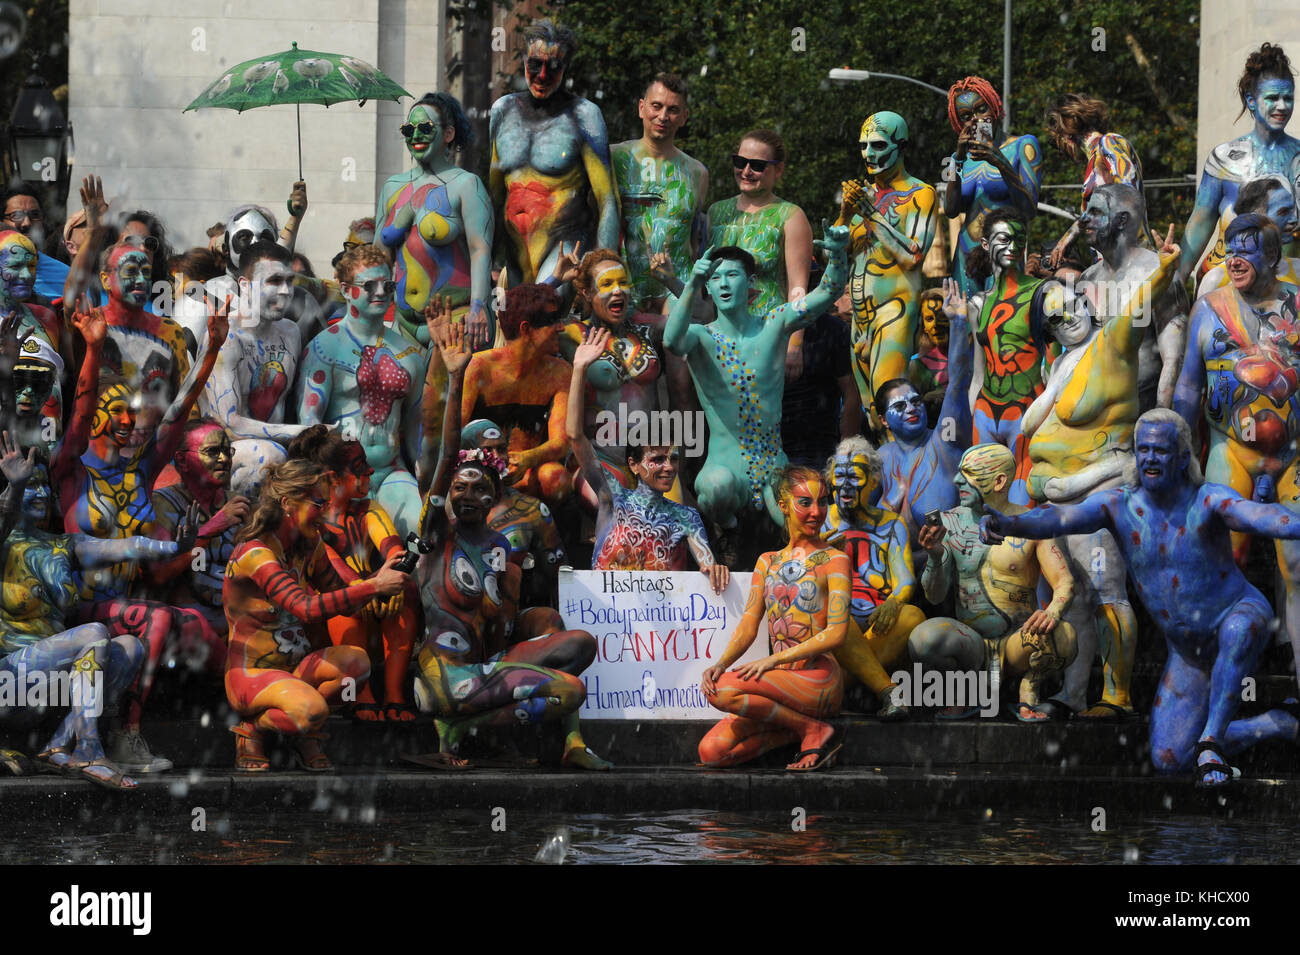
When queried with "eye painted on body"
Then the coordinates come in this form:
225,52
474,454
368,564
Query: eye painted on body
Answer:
463,572
791,571
491,589
450,640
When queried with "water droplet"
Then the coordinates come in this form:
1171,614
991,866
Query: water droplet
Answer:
1051,747
1131,853
555,848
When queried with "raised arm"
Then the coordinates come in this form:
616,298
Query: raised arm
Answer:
449,339
679,333
171,429
962,352
76,439
84,268
803,312
592,347
1125,331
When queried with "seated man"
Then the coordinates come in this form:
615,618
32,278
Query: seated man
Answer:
737,366
525,389
1173,531
256,368
22,213
881,619
1000,629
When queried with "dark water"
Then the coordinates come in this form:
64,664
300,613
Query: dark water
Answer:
682,837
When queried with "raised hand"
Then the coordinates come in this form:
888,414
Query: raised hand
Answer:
703,267
834,237
1169,248
91,325
851,200
187,528
92,201
991,525
451,343
219,324
11,341
566,265
661,267
437,313
16,468
954,300
593,346
297,203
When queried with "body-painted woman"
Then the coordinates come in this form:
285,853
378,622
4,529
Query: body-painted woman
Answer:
369,380
891,217
436,221
985,175
281,588
359,531
460,578
787,696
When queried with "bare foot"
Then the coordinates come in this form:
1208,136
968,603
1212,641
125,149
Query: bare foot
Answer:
581,757
1027,714
817,738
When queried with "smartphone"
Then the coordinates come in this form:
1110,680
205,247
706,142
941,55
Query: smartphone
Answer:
984,131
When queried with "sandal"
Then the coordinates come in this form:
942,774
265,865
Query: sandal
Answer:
827,755
1110,713
116,779
400,712
249,757
57,760
307,753
367,713
1205,769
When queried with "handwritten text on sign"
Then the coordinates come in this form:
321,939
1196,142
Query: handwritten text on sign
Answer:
656,632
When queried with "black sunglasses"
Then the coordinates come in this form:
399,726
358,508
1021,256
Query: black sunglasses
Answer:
758,165
407,130
374,286
534,64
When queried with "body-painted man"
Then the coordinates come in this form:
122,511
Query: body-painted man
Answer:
891,217
525,389
550,180
1267,91
1243,359
637,529
1173,532
436,221
920,462
883,580
737,364
32,409
369,380
661,192
999,630
461,682
1007,324
1270,196
787,696
257,368
1080,430
985,176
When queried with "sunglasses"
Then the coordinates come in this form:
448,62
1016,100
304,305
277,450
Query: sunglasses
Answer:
758,165
147,242
408,131
23,215
535,64
902,404
375,286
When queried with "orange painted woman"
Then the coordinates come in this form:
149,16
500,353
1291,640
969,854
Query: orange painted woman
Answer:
787,696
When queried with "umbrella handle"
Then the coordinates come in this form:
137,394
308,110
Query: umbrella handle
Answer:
297,110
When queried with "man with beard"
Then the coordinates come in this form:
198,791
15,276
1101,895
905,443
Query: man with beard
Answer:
550,163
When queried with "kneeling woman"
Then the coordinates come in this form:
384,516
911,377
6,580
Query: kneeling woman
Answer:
637,529
460,580
786,696
280,590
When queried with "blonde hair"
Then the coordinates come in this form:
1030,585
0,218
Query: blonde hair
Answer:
291,479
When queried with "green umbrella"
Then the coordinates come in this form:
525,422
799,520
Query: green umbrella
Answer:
297,76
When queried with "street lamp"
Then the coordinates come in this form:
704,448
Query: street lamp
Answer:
861,76
40,136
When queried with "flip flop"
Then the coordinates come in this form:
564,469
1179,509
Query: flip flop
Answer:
957,713
1211,747
826,755
1057,712
1111,714
1019,713
445,761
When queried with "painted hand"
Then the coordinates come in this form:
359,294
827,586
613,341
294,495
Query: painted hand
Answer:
90,323
187,528
661,267
476,326
754,670
233,513
882,619
437,313
219,324
297,203
566,265
389,580
835,238
702,268
1040,623
11,342
16,468
991,525
718,575
954,301
92,201
1169,249
931,536
594,343
451,343
851,202
709,680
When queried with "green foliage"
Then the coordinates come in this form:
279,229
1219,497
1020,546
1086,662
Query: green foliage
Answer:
744,71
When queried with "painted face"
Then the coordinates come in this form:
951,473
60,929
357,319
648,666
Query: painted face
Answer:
853,482
729,284
658,468
881,141
935,321
249,227
128,277
1282,210
544,66
1069,315
272,289
308,513
33,380
1095,221
371,292
471,495
18,266
1246,262
805,506
905,413
749,179
115,415
23,214
978,472
424,134
208,461
662,113
1005,244
36,496
356,477
971,106
1160,462
1273,102
611,294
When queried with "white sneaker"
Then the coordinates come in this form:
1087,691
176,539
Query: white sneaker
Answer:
132,755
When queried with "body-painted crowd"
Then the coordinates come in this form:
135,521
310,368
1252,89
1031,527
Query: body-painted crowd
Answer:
355,494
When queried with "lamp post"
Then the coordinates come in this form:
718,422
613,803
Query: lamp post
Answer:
40,137
861,76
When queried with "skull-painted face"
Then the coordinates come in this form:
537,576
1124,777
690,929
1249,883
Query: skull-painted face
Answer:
127,278
805,505
1005,244
881,140
1247,263
246,228
978,472
905,413
853,481
115,415
611,293
544,66
17,265
1273,102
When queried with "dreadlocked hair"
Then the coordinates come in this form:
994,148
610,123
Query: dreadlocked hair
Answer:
980,87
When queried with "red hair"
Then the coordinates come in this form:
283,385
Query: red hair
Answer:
981,88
